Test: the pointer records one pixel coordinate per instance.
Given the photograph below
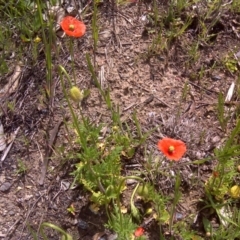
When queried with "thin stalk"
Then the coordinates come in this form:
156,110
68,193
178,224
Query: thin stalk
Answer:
48,45
75,120
72,59
65,236
94,30
119,190
177,195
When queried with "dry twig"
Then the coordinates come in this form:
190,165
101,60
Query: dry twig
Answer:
49,148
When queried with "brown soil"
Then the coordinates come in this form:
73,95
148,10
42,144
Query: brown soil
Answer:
150,82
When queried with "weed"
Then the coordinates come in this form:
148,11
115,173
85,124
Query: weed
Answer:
219,186
21,168
235,6
11,106
122,224
49,39
193,52
17,26
230,63
71,209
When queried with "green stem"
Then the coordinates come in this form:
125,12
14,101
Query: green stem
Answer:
46,224
75,120
128,177
72,59
177,195
119,191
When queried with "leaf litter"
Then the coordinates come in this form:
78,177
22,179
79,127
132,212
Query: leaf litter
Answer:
132,79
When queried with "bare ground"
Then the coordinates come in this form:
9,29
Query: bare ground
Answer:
165,88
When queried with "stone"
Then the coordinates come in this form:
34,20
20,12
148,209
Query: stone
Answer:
5,186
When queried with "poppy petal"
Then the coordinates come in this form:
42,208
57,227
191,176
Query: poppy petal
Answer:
73,27
139,232
178,148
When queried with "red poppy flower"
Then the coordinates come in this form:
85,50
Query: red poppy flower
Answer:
73,27
139,232
215,174
173,149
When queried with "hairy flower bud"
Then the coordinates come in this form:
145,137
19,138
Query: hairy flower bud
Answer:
235,192
76,94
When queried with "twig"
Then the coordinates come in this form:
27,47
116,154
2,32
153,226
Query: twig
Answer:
164,103
28,214
13,228
122,15
102,77
113,17
53,135
146,101
205,89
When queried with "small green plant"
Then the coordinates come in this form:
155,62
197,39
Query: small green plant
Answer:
235,6
21,168
71,209
99,167
193,53
148,193
11,105
222,178
182,229
121,224
18,19
232,230
99,170
219,189
231,64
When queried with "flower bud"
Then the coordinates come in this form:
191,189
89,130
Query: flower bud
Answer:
37,39
75,94
235,192
142,191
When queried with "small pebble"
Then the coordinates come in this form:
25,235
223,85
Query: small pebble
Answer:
216,78
82,224
113,237
75,222
178,216
161,58
131,181
5,186
11,213
216,139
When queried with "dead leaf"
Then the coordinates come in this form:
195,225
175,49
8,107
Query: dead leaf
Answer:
99,236
3,144
13,82
230,92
